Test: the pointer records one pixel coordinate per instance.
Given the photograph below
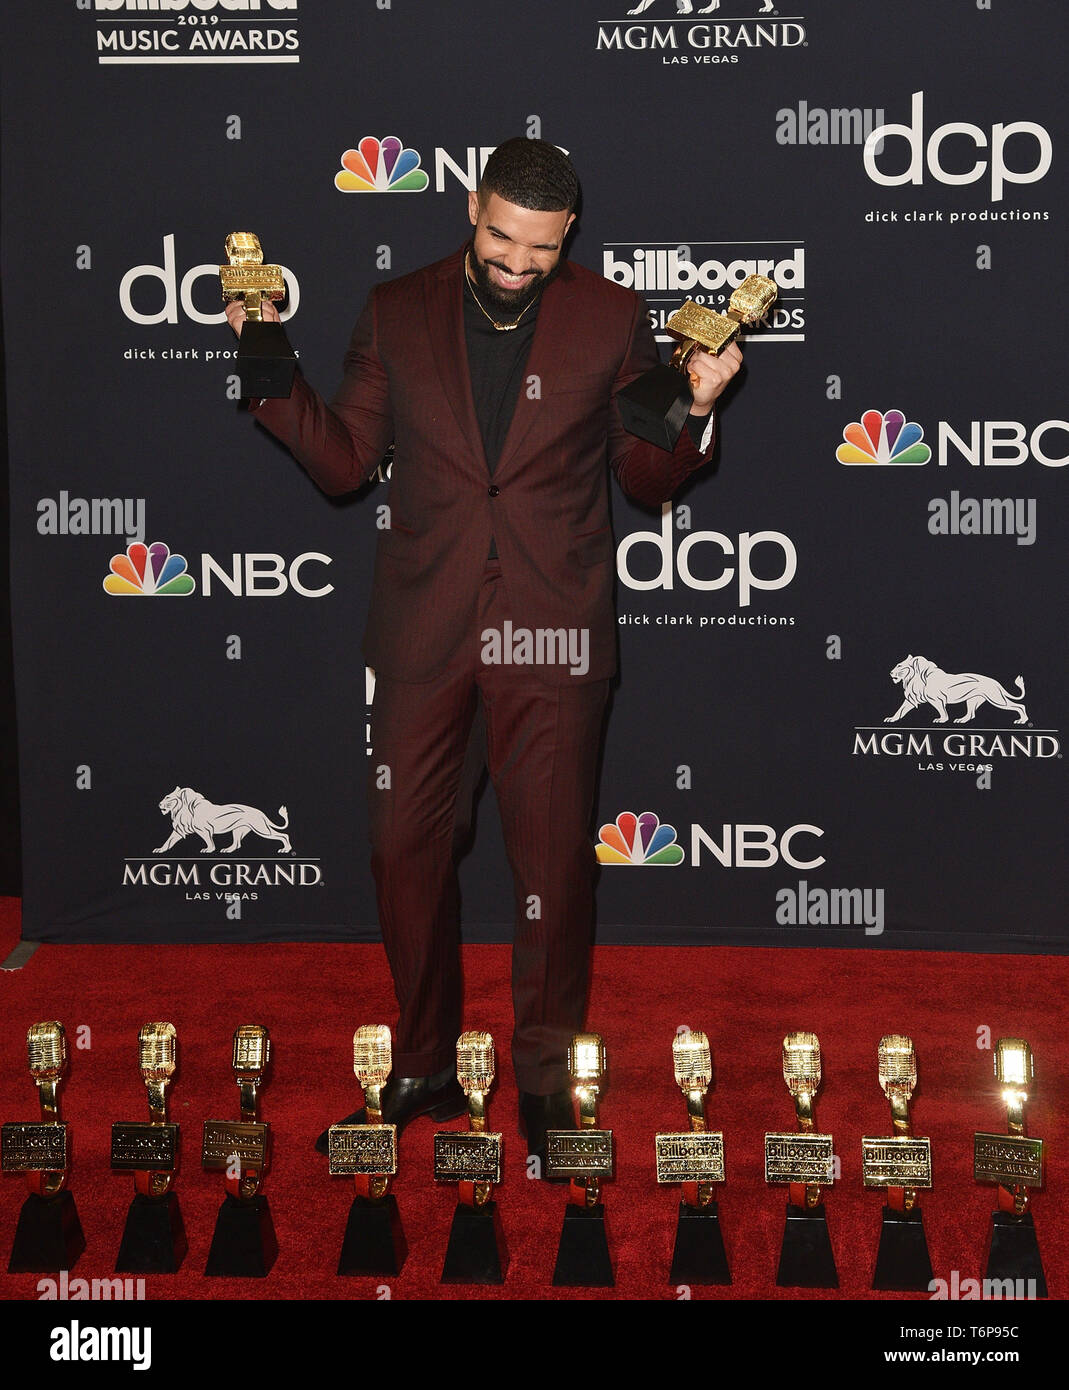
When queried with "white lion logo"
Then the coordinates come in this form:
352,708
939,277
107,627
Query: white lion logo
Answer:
687,7
922,680
191,814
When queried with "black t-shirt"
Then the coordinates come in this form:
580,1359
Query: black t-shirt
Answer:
496,363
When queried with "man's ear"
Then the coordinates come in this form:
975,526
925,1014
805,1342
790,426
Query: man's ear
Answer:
473,208
567,225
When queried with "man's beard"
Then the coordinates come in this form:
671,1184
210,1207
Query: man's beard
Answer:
501,302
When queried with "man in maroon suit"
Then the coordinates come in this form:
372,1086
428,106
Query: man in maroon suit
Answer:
493,372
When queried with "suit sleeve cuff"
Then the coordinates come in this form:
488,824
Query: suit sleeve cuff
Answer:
700,429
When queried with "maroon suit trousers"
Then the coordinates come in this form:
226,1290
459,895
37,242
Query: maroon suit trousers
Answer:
542,753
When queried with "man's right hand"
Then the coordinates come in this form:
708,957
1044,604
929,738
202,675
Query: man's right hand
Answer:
235,314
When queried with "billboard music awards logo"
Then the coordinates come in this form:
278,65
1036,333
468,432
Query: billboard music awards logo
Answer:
211,872
933,695
153,32
668,272
640,841
153,571
686,33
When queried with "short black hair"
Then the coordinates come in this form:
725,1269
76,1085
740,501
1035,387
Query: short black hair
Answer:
532,174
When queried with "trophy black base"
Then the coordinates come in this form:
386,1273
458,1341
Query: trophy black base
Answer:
655,406
902,1260
374,1241
154,1237
1014,1254
477,1253
244,1245
48,1237
266,362
699,1256
583,1254
805,1259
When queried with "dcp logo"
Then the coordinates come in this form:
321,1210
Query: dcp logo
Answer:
1036,138
180,292
714,548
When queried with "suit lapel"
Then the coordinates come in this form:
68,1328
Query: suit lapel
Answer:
445,321
549,351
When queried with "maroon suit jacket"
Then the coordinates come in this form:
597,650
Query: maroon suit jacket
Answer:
406,380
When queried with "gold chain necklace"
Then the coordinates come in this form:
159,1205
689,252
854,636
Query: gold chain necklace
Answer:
501,327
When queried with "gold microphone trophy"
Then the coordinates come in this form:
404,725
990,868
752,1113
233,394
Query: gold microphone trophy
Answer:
655,405
477,1253
901,1164
154,1237
695,1159
374,1240
804,1160
266,362
244,1244
1015,1163
584,1156
49,1235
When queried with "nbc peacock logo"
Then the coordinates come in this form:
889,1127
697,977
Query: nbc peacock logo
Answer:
149,571
381,166
638,840
883,440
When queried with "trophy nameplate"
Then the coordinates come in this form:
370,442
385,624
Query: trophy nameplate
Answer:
467,1157
1010,1159
799,1158
240,280
898,1161
225,1140
33,1146
690,1157
144,1146
362,1149
579,1153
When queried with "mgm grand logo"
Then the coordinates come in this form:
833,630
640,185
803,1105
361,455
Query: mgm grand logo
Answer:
227,866
704,33
925,687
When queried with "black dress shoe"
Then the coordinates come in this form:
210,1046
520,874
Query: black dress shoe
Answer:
404,1098
540,1113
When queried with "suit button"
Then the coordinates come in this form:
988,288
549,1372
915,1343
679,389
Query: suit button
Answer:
493,489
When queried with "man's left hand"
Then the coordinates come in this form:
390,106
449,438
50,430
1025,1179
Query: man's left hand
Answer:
713,374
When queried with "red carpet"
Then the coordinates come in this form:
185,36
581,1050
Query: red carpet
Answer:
312,996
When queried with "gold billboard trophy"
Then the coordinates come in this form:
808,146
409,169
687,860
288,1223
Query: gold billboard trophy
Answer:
901,1163
244,1245
1015,1163
584,1156
266,362
374,1241
154,1237
804,1160
49,1235
477,1253
695,1159
655,405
